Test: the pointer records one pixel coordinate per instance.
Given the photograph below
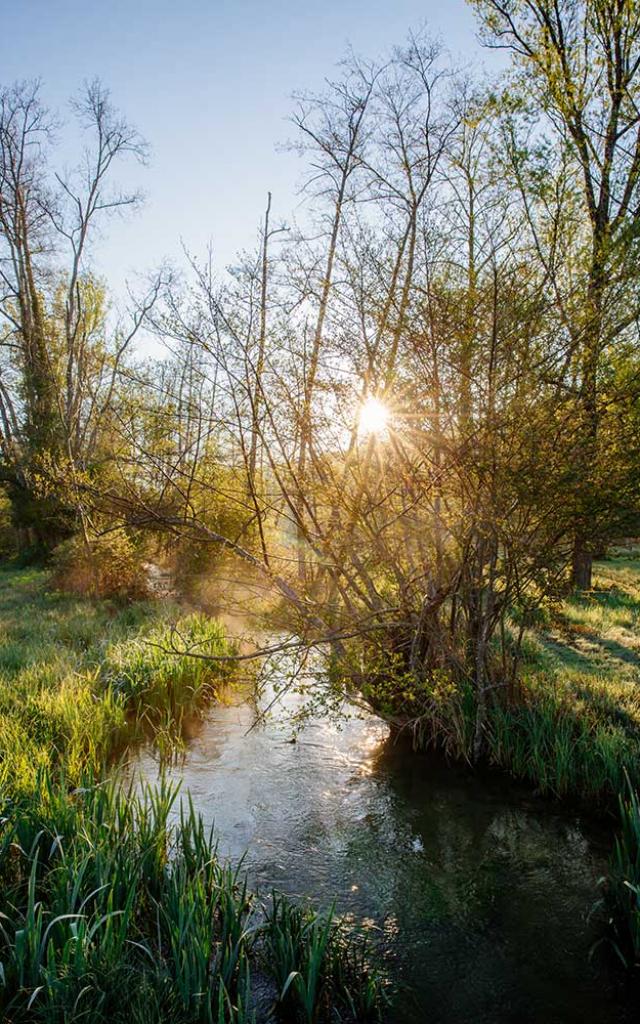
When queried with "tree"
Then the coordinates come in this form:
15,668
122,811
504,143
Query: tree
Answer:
59,361
416,542
579,64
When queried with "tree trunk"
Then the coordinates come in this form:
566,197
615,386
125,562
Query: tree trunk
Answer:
582,563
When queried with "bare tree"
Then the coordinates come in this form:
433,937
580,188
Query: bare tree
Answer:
59,369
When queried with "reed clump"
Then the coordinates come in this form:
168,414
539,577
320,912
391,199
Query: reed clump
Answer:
319,965
166,670
114,906
622,886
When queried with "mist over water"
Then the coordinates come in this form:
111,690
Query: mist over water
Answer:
481,893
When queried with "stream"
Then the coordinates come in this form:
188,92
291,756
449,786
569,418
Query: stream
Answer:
481,891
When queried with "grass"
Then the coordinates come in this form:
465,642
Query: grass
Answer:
107,912
623,884
80,679
317,964
575,729
154,682
596,636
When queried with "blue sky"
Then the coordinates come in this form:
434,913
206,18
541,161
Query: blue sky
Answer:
208,82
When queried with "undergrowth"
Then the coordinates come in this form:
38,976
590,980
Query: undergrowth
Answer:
570,723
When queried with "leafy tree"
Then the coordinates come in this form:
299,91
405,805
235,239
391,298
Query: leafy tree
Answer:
577,72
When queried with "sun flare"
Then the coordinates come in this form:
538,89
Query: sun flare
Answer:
374,417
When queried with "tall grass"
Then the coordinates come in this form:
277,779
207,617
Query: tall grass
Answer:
623,883
317,964
568,740
107,913
154,681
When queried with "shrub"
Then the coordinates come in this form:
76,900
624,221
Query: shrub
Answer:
8,534
109,566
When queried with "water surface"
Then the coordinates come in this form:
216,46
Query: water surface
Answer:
482,893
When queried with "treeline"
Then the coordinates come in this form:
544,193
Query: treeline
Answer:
468,262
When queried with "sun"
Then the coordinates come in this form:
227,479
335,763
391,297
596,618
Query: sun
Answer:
374,417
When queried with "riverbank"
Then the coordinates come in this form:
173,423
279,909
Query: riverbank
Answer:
81,681
568,723
573,729
479,892
109,911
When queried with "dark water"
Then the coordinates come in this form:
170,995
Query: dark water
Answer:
482,892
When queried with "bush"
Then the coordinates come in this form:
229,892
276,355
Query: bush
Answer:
109,567
8,533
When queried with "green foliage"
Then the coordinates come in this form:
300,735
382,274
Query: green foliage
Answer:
569,723
109,913
8,535
79,679
567,740
623,884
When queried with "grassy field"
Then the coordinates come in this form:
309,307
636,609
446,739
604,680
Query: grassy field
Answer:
577,729
598,635
108,913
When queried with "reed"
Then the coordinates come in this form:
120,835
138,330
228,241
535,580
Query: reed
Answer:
623,884
562,739
318,964
155,681
108,912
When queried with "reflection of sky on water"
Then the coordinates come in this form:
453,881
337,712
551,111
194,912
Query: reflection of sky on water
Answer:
481,894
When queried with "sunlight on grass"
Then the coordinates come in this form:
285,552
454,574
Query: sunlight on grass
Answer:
100,894
78,680
596,634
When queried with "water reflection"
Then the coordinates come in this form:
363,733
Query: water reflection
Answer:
482,893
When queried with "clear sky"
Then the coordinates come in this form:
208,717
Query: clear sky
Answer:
208,82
